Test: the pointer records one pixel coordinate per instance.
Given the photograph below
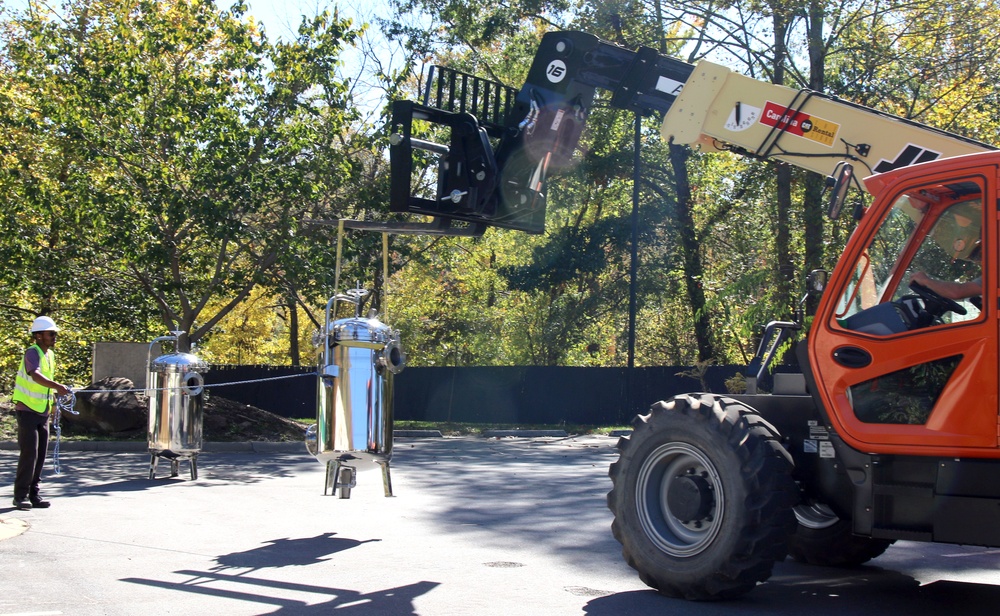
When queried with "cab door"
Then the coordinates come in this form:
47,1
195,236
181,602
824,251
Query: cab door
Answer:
899,372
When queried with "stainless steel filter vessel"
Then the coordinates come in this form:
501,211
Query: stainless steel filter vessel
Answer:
176,408
353,428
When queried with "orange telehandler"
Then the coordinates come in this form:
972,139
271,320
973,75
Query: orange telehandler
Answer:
890,431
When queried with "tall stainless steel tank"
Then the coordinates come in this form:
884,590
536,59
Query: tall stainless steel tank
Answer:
353,429
176,409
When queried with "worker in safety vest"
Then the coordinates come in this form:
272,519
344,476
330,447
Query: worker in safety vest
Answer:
33,400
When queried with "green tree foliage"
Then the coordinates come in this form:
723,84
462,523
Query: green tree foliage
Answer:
727,254
256,331
163,165
926,61
202,149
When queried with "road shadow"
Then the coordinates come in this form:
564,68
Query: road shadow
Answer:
547,493
818,591
397,601
553,494
286,552
105,473
234,578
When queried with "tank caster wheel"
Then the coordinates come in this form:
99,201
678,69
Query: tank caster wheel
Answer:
346,481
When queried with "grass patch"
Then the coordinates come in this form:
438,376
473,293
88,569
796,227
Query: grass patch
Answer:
8,426
451,428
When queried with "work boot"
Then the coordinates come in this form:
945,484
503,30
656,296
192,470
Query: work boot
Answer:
22,503
38,503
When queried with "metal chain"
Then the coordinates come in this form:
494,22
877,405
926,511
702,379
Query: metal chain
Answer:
63,404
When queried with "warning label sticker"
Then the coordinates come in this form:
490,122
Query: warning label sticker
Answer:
800,124
826,450
818,432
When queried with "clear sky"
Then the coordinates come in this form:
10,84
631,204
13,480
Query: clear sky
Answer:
282,17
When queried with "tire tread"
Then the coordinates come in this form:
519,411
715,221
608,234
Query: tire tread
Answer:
768,521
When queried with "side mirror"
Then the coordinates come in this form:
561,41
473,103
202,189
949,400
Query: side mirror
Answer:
839,186
816,281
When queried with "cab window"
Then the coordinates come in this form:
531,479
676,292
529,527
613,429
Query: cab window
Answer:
931,237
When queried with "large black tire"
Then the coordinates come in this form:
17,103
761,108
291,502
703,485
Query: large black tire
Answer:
702,497
822,538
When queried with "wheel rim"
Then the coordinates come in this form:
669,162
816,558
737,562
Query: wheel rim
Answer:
815,516
677,473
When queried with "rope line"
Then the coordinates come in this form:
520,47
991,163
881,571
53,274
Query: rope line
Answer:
207,385
66,404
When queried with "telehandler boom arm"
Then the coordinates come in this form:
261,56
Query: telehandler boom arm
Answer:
722,110
494,168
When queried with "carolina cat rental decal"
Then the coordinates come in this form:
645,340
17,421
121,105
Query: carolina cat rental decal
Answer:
800,124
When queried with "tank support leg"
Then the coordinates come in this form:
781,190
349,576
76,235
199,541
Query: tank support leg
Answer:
332,469
175,463
386,479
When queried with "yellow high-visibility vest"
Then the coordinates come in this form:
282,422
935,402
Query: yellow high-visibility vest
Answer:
35,396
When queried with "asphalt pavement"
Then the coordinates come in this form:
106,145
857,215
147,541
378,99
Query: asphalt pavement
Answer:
477,526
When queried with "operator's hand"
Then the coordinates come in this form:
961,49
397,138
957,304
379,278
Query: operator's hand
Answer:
61,389
920,278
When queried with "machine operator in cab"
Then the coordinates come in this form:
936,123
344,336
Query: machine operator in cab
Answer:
951,289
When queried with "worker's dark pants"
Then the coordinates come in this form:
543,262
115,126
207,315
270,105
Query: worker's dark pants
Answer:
33,440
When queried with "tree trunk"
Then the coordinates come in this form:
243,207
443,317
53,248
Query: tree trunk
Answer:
784,268
293,328
693,269
815,184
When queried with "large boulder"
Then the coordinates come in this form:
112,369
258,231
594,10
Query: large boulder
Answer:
113,408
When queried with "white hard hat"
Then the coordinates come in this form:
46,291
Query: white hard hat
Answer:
44,324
